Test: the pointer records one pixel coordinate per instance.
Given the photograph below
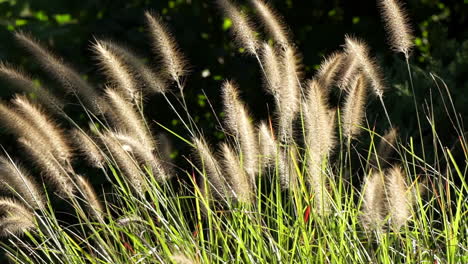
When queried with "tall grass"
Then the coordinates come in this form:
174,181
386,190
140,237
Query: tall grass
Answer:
314,183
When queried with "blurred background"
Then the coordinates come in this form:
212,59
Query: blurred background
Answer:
318,28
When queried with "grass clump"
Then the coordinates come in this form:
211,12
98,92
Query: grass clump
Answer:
312,183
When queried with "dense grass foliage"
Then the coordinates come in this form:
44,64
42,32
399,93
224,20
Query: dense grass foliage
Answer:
313,181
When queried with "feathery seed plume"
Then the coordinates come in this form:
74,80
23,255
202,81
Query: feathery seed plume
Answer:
91,198
89,149
272,70
353,110
144,155
238,122
165,45
125,162
239,181
43,125
359,49
289,97
18,218
329,69
63,73
399,198
267,144
242,28
374,201
116,70
397,25
349,69
25,83
272,22
148,78
124,117
15,178
39,149
55,172
212,169
320,138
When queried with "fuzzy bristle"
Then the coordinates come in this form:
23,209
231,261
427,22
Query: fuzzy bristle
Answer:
357,48
398,26
242,28
239,181
144,155
267,145
166,47
116,70
374,201
125,117
17,219
69,78
354,107
289,97
91,198
399,198
349,69
88,148
272,22
211,169
124,161
272,68
43,125
21,81
15,178
239,124
329,70
320,138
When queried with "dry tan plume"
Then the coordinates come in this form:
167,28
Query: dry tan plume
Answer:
359,49
166,47
17,220
15,179
39,149
272,67
349,69
148,78
116,70
211,169
354,107
21,81
272,22
319,131
43,125
320,135
122,158
289,97
88,148
329,70
374,209
241,184
63,73
267,145
397,25
91,198
242,28
399,198
56,173
239,124
143,154
123,116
